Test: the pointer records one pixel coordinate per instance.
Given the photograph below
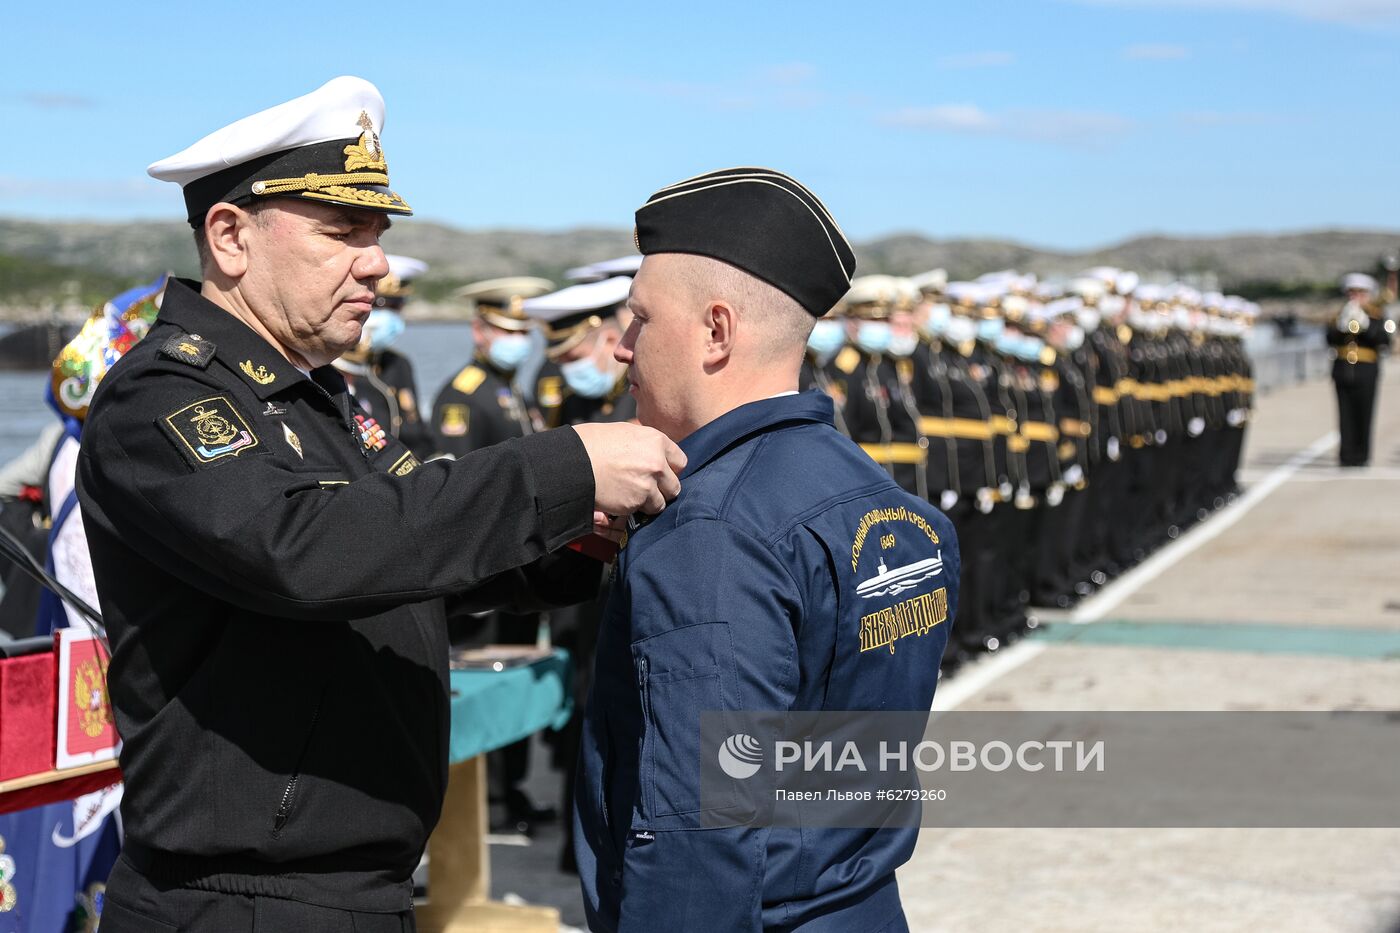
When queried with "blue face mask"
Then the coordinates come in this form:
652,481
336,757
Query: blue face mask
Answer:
508,351
585,378
937,321
903,345
960,330
1005,343
991,330
826,338
1028,348
873,336
382,328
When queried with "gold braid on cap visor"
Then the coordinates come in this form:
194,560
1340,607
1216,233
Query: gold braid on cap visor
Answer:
562,341
333,188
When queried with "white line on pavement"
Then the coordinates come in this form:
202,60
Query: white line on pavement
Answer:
1111,596
977,676
982,672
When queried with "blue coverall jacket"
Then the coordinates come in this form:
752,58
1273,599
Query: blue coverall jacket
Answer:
746,594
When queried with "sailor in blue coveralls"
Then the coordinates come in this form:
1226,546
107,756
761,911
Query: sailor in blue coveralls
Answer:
747,592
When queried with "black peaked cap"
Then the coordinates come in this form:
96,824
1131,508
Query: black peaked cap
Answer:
760,221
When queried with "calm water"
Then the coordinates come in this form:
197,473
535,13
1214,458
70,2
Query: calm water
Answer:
438,351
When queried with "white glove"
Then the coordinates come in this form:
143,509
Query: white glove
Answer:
1235,417
984,500
1160,437
1112,449
948,499
1055,494
1073,476
1352,314
1196,427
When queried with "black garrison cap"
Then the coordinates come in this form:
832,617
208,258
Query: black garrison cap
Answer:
760,221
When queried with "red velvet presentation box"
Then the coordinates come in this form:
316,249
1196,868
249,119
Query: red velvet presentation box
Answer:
28,718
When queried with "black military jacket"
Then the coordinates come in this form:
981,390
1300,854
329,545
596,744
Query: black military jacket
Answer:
956,420
267,560
1358,352
882,415
478,408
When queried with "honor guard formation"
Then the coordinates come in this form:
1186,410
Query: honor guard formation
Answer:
1068,428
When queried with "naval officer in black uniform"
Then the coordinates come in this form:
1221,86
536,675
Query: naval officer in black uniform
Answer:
481,405
270,566
1359,336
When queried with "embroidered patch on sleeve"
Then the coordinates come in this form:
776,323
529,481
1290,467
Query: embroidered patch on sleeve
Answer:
210,429
188,348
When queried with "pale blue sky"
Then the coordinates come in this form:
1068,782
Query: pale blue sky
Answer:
1065,123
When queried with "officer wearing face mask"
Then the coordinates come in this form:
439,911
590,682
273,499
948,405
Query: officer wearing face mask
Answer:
580,381
381,379
877,370
827,339
480,406
1065,373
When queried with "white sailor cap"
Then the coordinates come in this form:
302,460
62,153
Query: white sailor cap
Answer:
932,282
1014,307
501,302
1233,305
322,147
569,314
907,293
1003,278
597,271
1148,294
1112,304
399,282
1359,281
1059,308
1108,275
1127,283
871,296
965,295
1091,288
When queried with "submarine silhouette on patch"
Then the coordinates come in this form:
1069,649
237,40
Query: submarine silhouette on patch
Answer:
893,582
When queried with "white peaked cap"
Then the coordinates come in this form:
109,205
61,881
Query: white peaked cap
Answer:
406,268
1360,281
589,296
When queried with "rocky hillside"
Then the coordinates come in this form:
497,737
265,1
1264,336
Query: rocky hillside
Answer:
69,259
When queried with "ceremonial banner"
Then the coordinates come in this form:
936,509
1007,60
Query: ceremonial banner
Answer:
86,729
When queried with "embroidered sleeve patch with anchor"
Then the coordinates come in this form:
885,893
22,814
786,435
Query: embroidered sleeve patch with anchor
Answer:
211,429
188,348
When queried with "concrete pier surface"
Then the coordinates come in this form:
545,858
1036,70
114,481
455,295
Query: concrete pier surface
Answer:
1289,599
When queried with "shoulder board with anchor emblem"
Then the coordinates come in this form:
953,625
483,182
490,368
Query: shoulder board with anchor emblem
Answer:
847,360
469,380
189,348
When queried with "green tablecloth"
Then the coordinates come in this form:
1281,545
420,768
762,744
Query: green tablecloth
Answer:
491,709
